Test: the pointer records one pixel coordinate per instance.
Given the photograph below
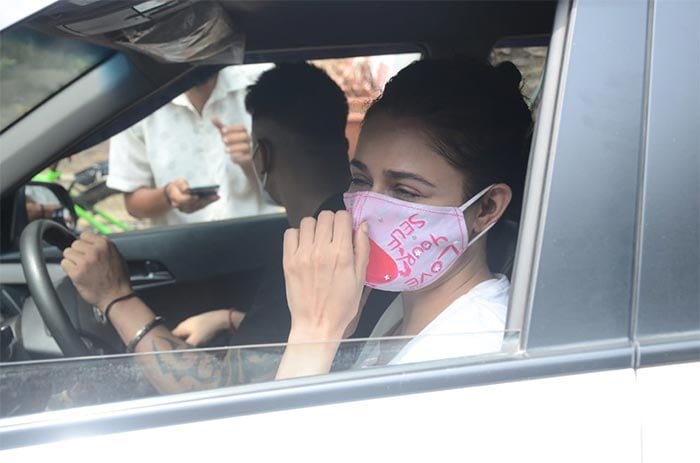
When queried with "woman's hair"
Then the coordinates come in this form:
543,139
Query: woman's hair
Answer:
471,113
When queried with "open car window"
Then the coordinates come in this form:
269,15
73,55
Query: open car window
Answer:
530,60
98,177
34,387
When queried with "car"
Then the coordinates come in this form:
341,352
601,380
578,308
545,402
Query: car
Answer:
601,359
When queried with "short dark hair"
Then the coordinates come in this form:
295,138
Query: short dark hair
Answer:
301,97
471,113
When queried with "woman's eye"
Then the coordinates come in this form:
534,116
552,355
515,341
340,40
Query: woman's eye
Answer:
359,182
401,192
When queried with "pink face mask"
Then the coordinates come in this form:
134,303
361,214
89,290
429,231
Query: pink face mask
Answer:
411,245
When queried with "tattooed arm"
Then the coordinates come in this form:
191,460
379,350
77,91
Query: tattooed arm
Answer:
100,276
175,368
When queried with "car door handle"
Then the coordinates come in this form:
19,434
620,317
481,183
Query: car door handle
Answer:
151,278
146,273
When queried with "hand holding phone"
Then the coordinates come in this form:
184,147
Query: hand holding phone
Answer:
204,190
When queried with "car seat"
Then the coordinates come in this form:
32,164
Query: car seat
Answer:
502,240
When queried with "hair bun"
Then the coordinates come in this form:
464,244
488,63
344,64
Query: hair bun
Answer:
509,74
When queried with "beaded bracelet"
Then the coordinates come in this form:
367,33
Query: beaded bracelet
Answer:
140,334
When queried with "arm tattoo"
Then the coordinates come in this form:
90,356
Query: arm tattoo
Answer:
180,371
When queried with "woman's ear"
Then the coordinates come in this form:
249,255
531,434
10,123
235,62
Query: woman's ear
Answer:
492,206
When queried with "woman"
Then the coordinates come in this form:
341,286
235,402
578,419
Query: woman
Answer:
438,161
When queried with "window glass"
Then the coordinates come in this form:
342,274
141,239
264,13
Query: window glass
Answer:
45,385
670,243
34,66
530,62
166,153
33,387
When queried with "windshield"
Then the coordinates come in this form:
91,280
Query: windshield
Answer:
34,66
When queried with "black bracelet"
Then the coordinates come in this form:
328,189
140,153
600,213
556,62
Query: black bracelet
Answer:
119,299
143,332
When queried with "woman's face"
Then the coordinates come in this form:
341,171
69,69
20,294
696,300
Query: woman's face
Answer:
396,161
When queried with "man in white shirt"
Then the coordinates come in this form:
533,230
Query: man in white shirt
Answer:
198,139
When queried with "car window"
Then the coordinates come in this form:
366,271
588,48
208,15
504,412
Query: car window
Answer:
152,153
33,387
34,66
101,208
530,62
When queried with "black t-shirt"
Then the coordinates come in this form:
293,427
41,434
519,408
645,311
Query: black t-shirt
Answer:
268,319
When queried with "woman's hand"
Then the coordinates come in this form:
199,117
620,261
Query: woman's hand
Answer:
325,275
202,328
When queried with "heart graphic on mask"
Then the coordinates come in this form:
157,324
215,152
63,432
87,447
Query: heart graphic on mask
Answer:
381,267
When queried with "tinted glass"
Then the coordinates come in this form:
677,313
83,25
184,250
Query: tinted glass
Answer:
669,289
583,290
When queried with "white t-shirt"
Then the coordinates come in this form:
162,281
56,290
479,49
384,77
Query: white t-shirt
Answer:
473,324
176,141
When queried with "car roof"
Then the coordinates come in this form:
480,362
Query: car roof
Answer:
443,27
134,85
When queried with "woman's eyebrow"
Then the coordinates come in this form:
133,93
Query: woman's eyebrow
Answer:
403,175
359,164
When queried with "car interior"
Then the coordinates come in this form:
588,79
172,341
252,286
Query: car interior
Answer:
183,270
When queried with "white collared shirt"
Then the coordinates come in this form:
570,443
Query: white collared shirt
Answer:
176,141
471,325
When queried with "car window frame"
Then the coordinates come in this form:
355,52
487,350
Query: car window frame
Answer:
341,386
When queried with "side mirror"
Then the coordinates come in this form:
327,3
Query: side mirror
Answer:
41,200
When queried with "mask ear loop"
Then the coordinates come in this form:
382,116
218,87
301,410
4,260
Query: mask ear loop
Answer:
263,181
471,202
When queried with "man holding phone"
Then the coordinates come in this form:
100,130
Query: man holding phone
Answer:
184,164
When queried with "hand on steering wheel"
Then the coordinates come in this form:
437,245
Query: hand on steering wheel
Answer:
97,269
48,303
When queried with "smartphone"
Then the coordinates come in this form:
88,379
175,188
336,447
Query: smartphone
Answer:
204,190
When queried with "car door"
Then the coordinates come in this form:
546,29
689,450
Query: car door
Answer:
567,388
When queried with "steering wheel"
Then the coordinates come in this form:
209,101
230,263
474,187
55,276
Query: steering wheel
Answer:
41,287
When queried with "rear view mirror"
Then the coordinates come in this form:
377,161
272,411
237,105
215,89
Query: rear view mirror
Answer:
41,200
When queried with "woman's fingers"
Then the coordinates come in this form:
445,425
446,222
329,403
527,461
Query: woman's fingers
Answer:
291,244
307,230
342,228
324,228
330,228
361,252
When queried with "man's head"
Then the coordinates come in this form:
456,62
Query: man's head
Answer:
299,117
